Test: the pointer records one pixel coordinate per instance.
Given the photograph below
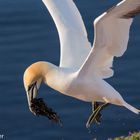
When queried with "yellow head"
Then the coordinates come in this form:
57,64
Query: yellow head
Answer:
33,77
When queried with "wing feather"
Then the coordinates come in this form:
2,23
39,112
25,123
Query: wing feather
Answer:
111,38
72,32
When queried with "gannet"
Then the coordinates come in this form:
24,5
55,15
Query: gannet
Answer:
84,67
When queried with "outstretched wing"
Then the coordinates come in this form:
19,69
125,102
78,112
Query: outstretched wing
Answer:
72,33
111,38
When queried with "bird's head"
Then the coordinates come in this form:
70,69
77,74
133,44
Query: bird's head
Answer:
32,79
33,76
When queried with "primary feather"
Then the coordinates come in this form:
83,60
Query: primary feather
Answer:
111,37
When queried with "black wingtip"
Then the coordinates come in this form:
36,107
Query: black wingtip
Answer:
132,14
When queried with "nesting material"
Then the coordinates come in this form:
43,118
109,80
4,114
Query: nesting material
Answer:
40,108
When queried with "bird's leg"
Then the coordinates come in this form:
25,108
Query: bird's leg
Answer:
95,105
94,114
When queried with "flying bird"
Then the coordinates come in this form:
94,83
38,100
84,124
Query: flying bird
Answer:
83,67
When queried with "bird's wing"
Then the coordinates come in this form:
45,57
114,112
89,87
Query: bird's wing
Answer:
72,33
111,38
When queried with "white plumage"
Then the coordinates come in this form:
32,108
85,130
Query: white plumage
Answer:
72,33
83,69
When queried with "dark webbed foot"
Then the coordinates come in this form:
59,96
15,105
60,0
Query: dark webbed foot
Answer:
95,115
95,105
39,107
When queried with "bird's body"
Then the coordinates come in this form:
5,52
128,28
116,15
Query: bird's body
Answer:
70,83
83,68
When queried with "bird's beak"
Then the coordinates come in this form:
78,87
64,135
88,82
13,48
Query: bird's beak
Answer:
31,94
37,106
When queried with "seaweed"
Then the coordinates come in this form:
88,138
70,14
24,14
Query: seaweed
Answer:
40,108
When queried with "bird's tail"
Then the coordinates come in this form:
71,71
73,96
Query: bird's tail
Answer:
131,108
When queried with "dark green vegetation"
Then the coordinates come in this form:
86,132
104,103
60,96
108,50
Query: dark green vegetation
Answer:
131,136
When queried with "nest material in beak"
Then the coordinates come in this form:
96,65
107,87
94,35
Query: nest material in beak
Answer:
39,107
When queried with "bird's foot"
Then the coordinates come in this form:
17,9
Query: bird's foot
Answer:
96,115
98,118
95,105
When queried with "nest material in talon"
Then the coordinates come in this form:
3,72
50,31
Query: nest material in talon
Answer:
39,107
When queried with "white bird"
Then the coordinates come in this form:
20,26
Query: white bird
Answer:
83,68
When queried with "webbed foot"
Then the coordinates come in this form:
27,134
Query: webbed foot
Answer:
96,115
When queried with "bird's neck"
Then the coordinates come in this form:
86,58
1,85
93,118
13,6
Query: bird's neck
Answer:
50,74
56,77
